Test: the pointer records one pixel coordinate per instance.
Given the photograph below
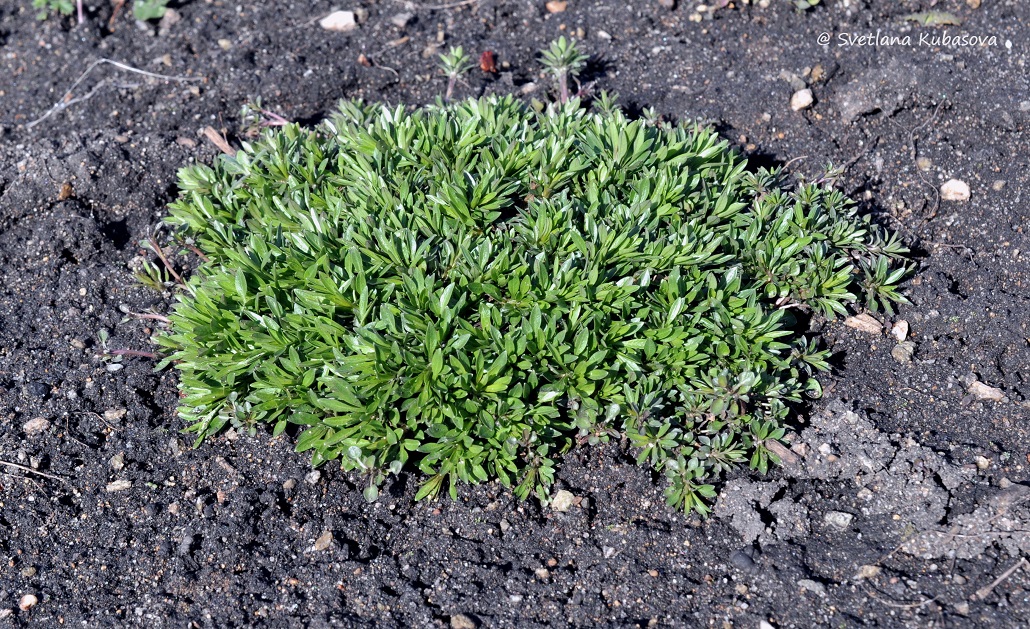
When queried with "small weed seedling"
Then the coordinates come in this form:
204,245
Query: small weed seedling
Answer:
142,10
453,64
564,61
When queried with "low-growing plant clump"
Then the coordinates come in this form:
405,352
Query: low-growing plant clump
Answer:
473,289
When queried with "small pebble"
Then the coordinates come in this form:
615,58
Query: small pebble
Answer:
173,508
562,500
542,573
323,542
608,552
27,602
962,608
118,462
813,586
955,190
505,526
35,426
461,621
312,477
982,462
865,494
556,6
168,20
900,330
839,519
924,163
982,391
765,624
998,185
289,484
868,572
339,21
114,414
401,19
118,485
903,352
802,99
740,560
28,572
224,44
667,4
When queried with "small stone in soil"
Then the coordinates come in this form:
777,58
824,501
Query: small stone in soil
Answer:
802,99
27,602
903,352
461,621
542,573
323,542
982,391
339,21
312,477
667,4
118,485
900,330
556,6
35,426
955,190
118,462
289,484
740,560
114,414
608,552
562,500
867,572
813,586
401,19
839,519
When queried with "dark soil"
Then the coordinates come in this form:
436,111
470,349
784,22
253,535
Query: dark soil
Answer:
226,535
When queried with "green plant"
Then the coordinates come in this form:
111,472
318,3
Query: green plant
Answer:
144,10
563,60
141,9
46,7
453,64
473,289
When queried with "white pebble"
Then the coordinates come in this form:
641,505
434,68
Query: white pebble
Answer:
802,99
955,190
339,21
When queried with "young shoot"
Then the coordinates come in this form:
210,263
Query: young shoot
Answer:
563,59
453,64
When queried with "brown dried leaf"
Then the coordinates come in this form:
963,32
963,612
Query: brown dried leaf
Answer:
864,323
219,140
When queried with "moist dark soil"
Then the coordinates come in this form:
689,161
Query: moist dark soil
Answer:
109,517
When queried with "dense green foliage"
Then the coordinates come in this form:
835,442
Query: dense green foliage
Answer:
474,289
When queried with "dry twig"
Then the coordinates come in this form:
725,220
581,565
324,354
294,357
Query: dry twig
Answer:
67,100
29,470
